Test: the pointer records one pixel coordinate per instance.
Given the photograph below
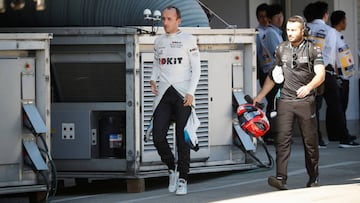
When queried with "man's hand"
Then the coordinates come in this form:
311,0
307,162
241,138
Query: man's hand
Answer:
303,91
153,87
256,100
188,99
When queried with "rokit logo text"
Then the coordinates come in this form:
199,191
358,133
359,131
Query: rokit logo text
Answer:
170,60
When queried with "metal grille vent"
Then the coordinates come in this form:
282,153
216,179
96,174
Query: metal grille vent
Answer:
202,106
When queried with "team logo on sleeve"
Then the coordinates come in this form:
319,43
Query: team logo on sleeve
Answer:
193,49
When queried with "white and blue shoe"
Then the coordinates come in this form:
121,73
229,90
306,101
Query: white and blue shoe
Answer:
182,187
173,180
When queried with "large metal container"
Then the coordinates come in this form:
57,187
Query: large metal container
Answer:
105,69
24,112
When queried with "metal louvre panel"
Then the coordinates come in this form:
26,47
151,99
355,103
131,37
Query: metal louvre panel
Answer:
202,106
148,98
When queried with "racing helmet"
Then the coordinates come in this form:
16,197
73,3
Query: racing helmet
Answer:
252,120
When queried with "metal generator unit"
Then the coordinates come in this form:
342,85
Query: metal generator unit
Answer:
102,101
25,113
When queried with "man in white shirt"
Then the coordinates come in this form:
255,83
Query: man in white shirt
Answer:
270,40
324,37
344,62
261,15
273,34
309,13
177,70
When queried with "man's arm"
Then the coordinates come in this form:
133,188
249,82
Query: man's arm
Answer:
155,71
319,69
271,41
319,78
267,87
269,83
329,52
194,57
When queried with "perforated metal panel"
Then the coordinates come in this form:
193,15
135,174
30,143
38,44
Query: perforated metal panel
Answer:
202,109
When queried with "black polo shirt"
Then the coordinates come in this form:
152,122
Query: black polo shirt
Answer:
298,66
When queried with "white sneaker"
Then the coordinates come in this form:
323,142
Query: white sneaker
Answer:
173,180
182,187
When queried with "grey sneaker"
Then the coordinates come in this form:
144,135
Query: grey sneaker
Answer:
173,180
277,183
182,187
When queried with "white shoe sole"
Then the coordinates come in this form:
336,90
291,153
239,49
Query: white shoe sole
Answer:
172,189
348,146
181,193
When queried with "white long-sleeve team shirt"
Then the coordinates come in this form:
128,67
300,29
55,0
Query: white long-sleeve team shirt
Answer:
176,63
324,37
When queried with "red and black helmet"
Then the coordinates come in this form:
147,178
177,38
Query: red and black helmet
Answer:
252,120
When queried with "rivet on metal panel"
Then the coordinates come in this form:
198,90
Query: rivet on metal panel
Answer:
129,103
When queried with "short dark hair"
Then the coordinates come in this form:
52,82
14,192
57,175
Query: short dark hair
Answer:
309,12
319,9
178,13
261,7
297,18
273,9
336,17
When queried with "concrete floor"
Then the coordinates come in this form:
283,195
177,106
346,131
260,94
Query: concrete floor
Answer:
339,179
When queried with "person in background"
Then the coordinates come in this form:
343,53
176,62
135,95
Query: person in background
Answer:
344,62
299,68
177,70
308,14
263,20
324,36
271,39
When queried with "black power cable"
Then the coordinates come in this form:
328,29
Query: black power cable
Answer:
51,182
